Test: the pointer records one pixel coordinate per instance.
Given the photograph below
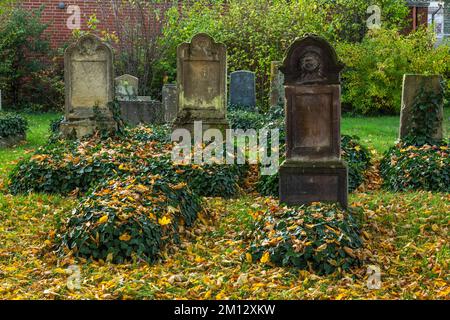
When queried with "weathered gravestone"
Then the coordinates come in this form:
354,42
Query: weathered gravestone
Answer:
170,102
89,85
276,84
141,110
412,86
313,170
126,86
201,84
242,89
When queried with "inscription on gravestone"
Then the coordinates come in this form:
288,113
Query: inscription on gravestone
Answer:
89,85
242,89
201,81
313,170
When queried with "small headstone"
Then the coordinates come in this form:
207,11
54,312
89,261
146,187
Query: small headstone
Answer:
201,84
89,85
412,85
141,110
170,102
242,89
313,170
276,84
126,87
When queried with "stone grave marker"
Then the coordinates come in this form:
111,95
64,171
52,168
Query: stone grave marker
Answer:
127,87
89,87
201,84
276,84
242,89
412,85
170,102
313,170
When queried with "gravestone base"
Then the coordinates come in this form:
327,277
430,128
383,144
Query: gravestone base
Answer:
82,128
304,182
220,124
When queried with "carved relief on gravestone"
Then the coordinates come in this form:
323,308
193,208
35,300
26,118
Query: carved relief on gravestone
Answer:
89,85
201,81
313,170
127,87
242,89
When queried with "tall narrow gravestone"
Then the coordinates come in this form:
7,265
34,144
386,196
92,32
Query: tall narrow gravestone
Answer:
89,85
170,102
201,81
412,86
313,170
276,84
242,89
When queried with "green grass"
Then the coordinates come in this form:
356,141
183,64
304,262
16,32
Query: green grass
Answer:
37,135
379,133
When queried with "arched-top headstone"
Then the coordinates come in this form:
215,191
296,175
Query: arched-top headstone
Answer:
89,85
127,86
311,60
201,81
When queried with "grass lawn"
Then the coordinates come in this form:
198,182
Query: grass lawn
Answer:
406,234
379,133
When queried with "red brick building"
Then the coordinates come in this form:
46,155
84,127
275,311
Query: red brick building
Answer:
56,14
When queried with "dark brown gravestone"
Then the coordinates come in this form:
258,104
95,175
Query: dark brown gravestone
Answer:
201,84
313,170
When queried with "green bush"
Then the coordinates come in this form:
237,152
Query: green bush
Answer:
30,78
356,156
13,125
129,218
320,237
372,80
245,120
407,167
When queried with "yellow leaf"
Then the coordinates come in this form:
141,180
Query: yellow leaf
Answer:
358,148
207,295
125,237
248,257
103,219
265,258
435,227
164,221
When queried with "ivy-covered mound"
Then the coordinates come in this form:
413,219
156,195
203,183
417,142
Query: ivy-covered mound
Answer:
320,237
356,156
64,166
131,217
409,167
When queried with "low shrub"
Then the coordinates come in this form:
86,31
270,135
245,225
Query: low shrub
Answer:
133,217
321,238
356,156
13,125
408,167
62,167
245,119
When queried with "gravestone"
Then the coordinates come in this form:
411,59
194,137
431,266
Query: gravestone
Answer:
126,87
141,110
412,85
89,86
313,170
170,102
242,89
276,84
201,84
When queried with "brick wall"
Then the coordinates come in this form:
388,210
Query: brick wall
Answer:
58,31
